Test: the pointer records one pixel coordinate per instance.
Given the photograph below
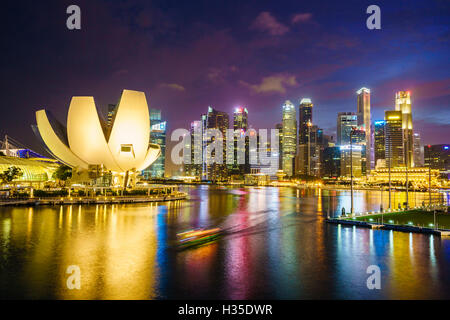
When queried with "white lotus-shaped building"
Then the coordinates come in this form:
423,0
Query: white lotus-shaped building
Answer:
120,147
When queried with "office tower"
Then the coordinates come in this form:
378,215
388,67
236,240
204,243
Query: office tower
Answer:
403,105
331,162
157,136
349,155
279,127
380,143
363,113
438,156
359,139
193,167
240,127
309,155
216,120
394,139
305,118
418,150
316,146
345,122
289,141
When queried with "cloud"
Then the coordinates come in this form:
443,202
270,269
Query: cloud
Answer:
173,86
301,18
272,84
265,22
219,75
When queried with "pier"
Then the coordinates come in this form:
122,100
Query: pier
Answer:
387,226
92,200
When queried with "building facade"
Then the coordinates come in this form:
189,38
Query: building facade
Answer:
345,122
403,105
417,150
394,139
438,156
363,113
331,162
157,136
216,120
380,142
289,140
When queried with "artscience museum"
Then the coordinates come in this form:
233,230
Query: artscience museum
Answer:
110,153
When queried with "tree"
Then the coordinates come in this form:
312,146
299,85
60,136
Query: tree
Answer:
10,174
63,173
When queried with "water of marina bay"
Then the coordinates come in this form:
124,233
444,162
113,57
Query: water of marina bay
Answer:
281,248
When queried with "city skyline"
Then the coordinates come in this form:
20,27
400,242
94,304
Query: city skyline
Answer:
252,55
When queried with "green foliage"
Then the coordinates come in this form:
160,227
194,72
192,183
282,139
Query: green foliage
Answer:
11,174
57,193
63,173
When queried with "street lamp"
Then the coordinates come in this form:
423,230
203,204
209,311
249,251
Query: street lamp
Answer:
407,163
309,124
351,169
429,174
389,165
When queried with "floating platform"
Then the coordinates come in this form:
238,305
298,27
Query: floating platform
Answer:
395,227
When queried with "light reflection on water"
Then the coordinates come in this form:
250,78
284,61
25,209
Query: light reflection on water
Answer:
283,249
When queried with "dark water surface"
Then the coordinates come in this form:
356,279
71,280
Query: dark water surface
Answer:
282,248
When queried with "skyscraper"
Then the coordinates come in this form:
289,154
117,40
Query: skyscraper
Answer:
305,117
403,105
279,127
351,161
359,139
217,120
240,127
394,138
331,162
380,142
194,166
157,136
345,122
417,150
363,113
289,141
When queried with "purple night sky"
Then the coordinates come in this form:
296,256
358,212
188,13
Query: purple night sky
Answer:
186,55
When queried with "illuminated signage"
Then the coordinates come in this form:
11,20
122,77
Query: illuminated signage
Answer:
159,126
347,147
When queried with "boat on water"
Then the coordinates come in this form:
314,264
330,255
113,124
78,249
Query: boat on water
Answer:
197,237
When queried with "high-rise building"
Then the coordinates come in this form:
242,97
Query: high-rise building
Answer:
351,161
403,105
380,142
331,162
359,139
217,120
279,127
417,150
394,139
345,122
363,113
438,156
193,167
289,141
305,118
240,127
157,136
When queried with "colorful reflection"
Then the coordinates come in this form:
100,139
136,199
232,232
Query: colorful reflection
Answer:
277,245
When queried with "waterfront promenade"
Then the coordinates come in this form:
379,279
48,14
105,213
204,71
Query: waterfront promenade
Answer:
92,200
